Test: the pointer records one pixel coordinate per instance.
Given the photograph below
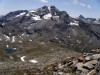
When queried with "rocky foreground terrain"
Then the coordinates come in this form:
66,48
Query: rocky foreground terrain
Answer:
84,64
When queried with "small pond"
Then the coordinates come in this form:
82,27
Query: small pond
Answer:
10,50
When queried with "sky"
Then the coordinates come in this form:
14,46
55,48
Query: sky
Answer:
87,8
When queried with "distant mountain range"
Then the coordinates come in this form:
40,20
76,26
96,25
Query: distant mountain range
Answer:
51,26
89,20
1,16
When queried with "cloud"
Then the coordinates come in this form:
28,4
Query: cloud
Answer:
65,3
44,1
75,2
82,4
89,6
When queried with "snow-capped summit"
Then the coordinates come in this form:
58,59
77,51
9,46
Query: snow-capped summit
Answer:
12,15
43,13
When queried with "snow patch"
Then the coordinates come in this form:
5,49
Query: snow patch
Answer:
7,46
23,34
71,23
36,17
33,11
56,17
27,35
56,38
33,61
72,44
9,33
14,48
3,24
30,40
74,23
78,41
59,41
42,43
52,49
48,16
21,14
20,41
11,57
49,9
7,37
13,39
69,36
21,37
90,41
23,58
28,14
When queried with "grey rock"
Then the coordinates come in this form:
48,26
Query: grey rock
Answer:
89,65
80,67
96,56
92,72
88,57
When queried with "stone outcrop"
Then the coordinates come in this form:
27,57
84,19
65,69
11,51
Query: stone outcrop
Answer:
72,66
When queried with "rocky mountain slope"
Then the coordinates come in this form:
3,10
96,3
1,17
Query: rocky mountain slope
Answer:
45,35
50,25
46,25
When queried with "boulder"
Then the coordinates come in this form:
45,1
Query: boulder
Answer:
80,67
80,59
68,74
96,56
97,67
60,73
89,65
89,58
92,72
60,66
94,62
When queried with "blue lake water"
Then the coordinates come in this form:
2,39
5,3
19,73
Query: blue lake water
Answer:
10,50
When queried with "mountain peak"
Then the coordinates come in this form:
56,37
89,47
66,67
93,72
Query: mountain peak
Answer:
45,12
49,8
53,7
81,17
